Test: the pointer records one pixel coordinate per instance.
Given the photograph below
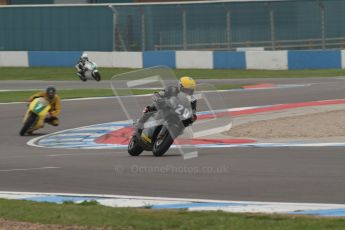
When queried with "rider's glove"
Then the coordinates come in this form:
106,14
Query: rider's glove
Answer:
190,120
147,109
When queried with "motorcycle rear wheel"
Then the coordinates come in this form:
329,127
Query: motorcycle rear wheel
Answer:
28,124
83,78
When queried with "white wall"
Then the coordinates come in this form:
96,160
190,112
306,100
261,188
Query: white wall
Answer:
194,59
343,59
128,59
275,60
102,59
14,58
117,59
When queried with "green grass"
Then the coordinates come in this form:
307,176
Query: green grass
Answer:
94,215
229,86
19,96
57,73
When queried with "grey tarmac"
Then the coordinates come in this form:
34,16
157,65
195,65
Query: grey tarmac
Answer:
105,84
314,174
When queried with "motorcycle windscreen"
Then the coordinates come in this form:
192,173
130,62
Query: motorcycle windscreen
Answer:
134,91
39,105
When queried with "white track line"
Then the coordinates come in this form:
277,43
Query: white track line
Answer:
145,95
325,205
27,169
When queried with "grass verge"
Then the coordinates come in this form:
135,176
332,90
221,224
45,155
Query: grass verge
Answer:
95,215
63,73
18,96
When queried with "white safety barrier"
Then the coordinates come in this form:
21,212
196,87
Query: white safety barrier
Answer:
117,59
275,60
14,58
264,60
343,59
194,59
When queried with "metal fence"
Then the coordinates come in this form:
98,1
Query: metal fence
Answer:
272,25
227,25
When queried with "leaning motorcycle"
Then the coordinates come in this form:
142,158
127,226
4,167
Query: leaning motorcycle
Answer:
90,71
35,115
163,127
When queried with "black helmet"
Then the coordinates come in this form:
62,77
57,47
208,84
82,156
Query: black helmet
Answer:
51,91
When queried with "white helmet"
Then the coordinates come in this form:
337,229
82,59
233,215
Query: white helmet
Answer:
84,56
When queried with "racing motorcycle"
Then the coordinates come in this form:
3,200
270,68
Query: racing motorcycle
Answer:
163,127
35,115
90,71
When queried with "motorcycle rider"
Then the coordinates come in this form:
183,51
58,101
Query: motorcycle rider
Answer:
54,101
186,85
81,64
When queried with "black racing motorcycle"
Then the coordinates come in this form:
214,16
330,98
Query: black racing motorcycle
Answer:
173,115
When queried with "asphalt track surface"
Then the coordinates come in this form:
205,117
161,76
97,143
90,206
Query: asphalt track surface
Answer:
315,174
36,84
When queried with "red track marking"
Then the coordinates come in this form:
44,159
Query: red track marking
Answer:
200,141
259,86
122,136
272,108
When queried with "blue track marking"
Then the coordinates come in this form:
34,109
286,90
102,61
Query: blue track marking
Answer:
89,131
59,199
74,136
313,209
195,205
84,138
340,212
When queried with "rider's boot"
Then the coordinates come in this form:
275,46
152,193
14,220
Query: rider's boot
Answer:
137,129
139,125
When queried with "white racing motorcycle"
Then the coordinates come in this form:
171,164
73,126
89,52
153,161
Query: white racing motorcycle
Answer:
90,72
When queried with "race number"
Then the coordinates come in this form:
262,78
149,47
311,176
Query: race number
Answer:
181,110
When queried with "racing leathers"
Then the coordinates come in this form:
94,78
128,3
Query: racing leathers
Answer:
80,66
151,109
55,109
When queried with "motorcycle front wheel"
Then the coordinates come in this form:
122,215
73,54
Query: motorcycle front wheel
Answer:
97,76
162,144
133,148
28,124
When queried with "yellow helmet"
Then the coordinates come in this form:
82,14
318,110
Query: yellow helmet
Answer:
187,82
187,85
